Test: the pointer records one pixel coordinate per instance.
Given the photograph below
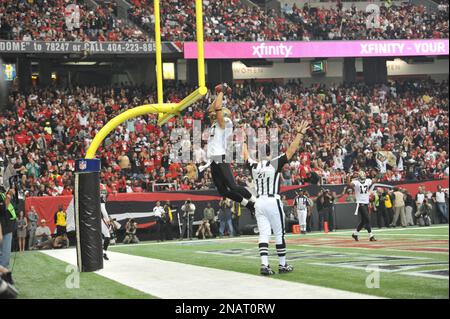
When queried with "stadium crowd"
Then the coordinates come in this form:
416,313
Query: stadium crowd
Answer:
224,20
394,132
45,20
230,20
406,21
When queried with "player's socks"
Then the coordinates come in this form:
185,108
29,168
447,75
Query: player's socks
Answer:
264,253
281,252
244,202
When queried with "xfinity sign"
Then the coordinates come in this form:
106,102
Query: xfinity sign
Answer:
272,51
319,49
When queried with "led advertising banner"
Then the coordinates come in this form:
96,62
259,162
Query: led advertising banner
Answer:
318,49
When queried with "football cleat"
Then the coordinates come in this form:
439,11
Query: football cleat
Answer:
355,237
105,257
266,270
372,238
284,269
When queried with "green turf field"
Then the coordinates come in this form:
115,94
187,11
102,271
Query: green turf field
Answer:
403,263
40,276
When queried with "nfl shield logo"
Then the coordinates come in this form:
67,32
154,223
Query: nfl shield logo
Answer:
83,165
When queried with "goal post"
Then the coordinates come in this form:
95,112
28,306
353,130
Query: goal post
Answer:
87,172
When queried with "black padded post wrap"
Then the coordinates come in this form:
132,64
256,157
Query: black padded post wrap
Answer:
88,218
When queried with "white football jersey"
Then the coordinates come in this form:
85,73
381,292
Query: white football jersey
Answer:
362,190
266,175
217,141
301,202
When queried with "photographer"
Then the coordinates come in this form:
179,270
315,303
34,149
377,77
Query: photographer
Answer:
423,214
130,232
209,215
115,226
326,200
204,230
225,217
188,210
409,207
380,209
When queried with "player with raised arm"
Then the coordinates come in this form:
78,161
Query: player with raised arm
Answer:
362,186
269,209
221,129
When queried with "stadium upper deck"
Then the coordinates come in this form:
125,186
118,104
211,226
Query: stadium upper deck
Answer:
224,20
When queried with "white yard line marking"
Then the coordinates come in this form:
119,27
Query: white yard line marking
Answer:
424,274
375,251
386,230
167,279
416,235
240,238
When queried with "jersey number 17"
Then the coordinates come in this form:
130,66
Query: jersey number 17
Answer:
364,189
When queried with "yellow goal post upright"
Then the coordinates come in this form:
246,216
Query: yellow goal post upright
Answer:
87,170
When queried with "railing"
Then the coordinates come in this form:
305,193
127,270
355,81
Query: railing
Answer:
158,187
